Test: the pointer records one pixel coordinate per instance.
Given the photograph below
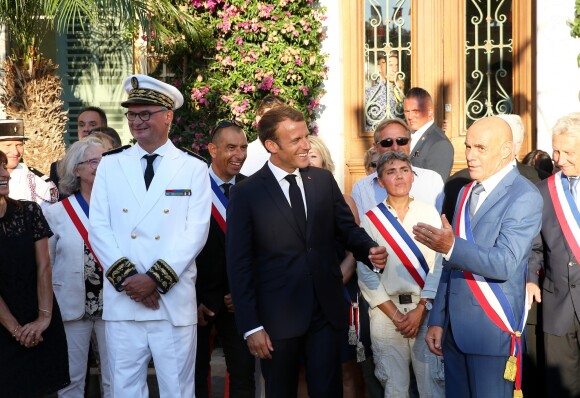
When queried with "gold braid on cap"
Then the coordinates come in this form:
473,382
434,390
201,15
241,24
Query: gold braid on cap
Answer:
151,96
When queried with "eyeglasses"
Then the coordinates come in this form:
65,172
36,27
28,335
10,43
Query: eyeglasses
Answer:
373,165
93,163
143,115
388,142
222,124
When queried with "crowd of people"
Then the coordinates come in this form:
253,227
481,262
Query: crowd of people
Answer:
418,283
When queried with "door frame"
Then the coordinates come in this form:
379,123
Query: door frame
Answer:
446,60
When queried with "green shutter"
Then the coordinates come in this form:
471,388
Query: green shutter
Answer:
93,64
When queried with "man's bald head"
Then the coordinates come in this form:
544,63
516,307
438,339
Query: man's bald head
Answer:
488,147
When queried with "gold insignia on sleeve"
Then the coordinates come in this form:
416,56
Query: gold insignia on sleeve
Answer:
119,271
163,275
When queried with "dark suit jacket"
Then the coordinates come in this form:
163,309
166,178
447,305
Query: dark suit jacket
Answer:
503,230
561,284
276,273
211,284
459,179
56,179
434,152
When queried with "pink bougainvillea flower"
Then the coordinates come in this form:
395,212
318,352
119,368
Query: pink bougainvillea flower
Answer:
266,83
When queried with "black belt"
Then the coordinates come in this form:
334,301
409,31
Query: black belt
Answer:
405,298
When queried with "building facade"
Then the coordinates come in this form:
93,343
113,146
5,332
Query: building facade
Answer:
476,58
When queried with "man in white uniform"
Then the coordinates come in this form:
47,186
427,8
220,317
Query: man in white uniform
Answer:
150,212
25,182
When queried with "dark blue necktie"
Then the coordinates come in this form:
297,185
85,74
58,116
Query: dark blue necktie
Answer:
297,202
149,172
226,186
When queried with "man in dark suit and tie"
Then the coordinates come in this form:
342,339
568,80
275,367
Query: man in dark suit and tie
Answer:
286,283
430,147
555,256
479,312
228,150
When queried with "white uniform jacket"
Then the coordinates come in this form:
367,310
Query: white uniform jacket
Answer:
30,184
145,226
67,257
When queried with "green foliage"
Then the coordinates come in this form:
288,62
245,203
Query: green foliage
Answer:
28,21
575,25
25,25
257,49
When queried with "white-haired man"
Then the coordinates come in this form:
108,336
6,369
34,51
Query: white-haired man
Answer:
554,266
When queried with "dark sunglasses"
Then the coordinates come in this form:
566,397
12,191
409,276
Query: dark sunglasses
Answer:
222,124
388,142
373,165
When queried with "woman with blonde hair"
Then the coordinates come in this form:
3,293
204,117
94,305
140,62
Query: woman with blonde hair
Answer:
319,154
77,277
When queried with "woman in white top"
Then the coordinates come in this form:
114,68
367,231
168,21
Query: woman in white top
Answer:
77,277
400,298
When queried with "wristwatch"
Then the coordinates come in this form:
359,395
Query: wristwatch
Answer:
427,303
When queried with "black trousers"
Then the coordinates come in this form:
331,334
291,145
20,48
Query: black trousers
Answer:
563,363
239,362
319,349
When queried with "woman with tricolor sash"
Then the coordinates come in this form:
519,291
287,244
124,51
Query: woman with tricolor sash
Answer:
77,277
401,296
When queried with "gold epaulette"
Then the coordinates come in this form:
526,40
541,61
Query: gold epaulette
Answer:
163,275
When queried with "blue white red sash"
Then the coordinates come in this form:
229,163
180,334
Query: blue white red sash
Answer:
219,203
489,295
75,207
399,240
566,211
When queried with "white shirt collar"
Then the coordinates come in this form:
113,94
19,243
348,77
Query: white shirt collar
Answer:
280,174
218,180
161,151
416,136
492,182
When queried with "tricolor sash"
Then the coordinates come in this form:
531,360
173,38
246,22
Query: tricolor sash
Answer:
566,210
399,240
493,300
75,207
219,203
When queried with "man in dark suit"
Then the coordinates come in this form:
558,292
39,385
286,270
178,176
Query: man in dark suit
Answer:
430,147
228,150
286,283
556,253
486,254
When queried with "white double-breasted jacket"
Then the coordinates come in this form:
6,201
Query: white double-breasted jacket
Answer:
170,221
